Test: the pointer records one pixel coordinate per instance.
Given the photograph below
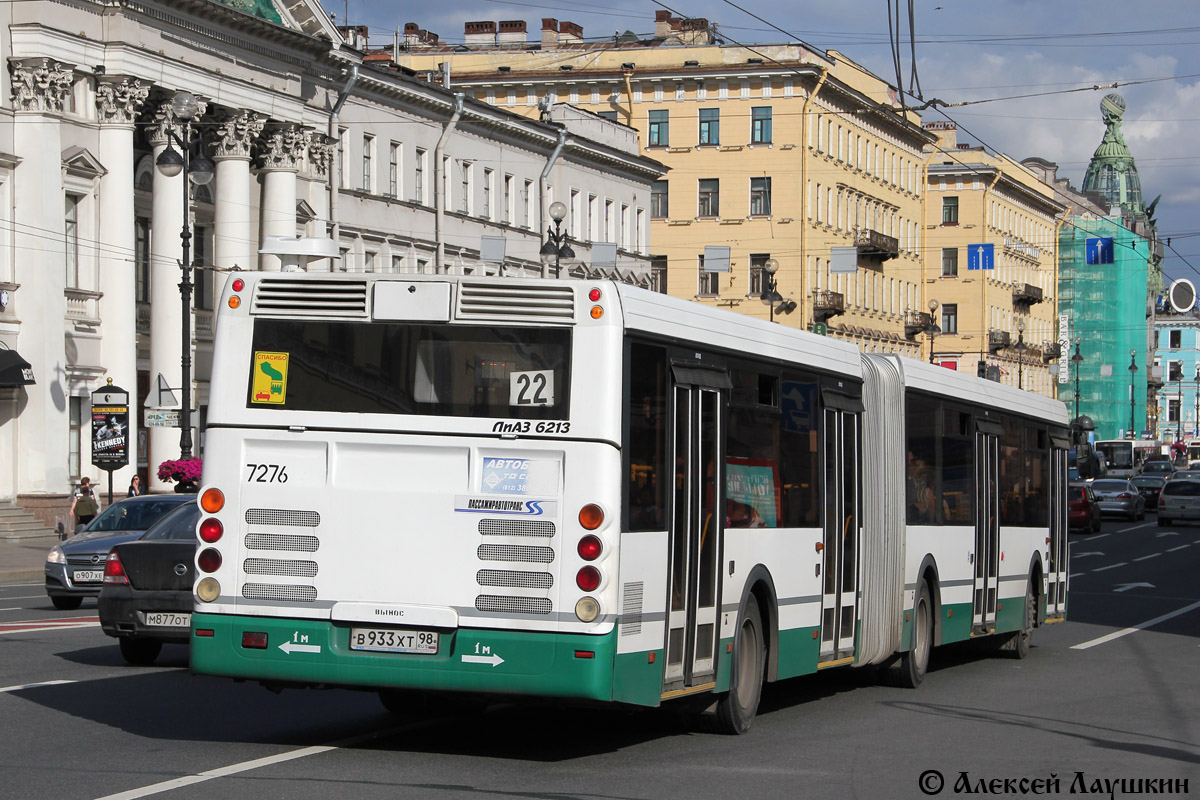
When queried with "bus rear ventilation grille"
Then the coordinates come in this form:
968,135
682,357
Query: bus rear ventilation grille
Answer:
275,566
513,605
266,591
282,516
515,552
317,297
516,527
517,302
279,541
511,579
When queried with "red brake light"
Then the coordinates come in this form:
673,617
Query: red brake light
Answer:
594,295
114,571
254,639
588,579
209,560
590,548
238,284
211,530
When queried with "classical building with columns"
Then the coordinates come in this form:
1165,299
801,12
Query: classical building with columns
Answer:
308,139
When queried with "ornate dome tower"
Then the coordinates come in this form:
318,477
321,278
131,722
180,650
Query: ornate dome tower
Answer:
1112,172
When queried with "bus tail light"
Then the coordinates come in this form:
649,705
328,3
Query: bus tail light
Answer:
208,590
590,548
114,570
597,312
212,501
255,640
594,295
588,578
211,530
587,609
238,284
591,517
209,560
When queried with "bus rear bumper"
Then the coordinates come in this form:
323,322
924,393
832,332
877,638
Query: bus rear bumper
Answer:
317,652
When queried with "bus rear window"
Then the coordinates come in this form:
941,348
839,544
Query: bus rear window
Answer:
408,368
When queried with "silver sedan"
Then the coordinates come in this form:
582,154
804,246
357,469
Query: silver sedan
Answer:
1119,496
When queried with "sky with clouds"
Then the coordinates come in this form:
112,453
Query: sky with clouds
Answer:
966,50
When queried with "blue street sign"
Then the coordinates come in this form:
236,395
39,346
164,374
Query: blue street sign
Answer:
1099,250
981,256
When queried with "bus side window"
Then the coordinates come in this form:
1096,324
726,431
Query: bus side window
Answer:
646,405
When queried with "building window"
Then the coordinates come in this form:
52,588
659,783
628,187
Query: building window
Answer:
710,282
950,318
489,177
949,262
527,203
592,218
660,135
508,199
658,274
1173,404
609,115
344,157
141,257
419,176
75,440
574,221
368,183
1176,339
368,261
202,274
610,222
71,233
658,200
394,170
758,262
464,186
710,126
709,197
1174,371
760,197
760,125
949,210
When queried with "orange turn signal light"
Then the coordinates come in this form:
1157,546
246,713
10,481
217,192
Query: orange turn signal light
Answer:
234,301
212,501
591,517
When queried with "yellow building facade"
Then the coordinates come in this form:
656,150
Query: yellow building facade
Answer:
792,158
991,230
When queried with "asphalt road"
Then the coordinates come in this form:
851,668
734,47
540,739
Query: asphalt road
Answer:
1097,696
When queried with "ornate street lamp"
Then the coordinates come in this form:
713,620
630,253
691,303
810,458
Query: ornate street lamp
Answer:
1132,391
1021,353
934,329
199,170
770,296
1076,360
556,252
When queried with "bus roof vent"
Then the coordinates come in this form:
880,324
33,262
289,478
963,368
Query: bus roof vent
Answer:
518,302
314,297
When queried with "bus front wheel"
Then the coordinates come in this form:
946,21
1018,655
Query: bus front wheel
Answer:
736,710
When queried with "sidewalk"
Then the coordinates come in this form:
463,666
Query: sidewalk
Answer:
22,560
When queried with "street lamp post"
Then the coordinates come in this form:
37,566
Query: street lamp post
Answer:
1179,410
1196,416
1076,360
198,170
934,328
770,294
1021,353
1132,391
556,251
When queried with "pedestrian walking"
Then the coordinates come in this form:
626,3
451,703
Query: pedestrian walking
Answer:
86,504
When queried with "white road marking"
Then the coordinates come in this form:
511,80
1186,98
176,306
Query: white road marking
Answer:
1111,566
1173,549
16,585
26,597
1125,632
1147,558
19,687
14,608
1094,538
246,766
1139,527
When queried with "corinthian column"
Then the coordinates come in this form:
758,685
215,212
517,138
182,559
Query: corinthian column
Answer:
283,148
233,241
39,88
118,102
166,312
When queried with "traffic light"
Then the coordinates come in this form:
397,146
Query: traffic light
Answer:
981,369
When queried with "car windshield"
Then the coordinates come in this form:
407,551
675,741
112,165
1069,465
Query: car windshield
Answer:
1189,488
1157,466
1150,481
1110,486
133,516
179,524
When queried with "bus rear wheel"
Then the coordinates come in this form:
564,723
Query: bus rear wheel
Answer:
736,710
910,671
1018,643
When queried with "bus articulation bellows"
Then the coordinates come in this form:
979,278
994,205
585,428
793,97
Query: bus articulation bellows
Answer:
581,489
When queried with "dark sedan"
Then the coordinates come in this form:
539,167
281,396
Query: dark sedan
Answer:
75,568
1149,487
147,594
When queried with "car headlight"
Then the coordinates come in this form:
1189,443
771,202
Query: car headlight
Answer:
56,556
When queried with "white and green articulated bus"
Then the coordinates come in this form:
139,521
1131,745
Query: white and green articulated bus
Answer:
584,490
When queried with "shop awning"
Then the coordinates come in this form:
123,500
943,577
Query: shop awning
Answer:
14,370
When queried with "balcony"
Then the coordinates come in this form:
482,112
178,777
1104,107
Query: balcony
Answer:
916,322
827,304
1051,351
143,319
204,325
998,340
875,246
1025,294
